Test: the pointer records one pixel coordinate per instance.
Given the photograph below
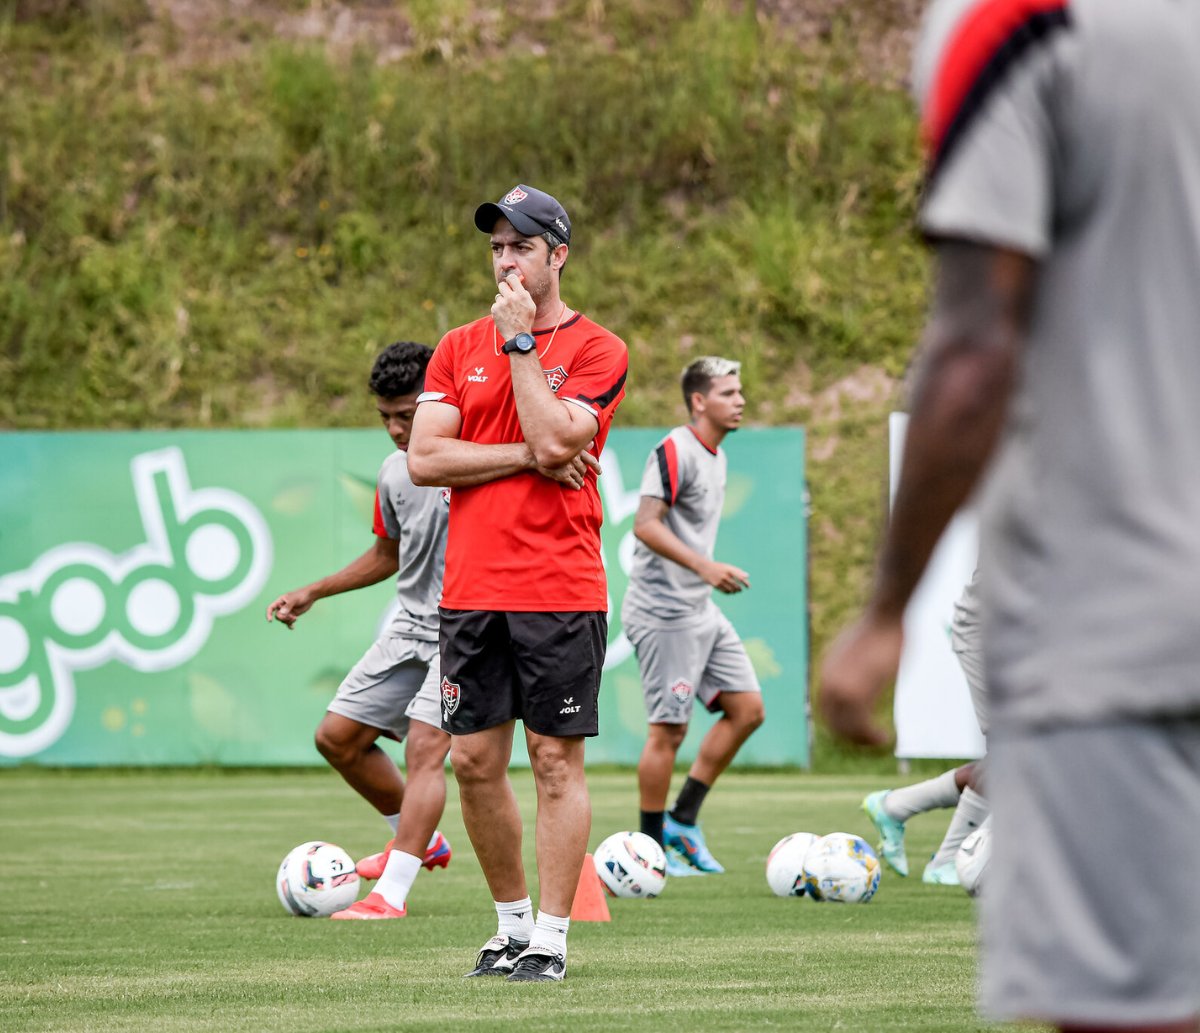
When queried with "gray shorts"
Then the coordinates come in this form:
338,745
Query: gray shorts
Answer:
1091,913
679,665
396,681
971,662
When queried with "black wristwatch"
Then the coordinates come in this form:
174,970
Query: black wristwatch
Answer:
521,343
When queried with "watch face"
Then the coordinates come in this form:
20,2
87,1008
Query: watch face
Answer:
522,343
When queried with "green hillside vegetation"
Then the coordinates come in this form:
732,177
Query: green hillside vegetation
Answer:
213,221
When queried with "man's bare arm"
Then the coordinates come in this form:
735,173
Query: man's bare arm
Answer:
650,528
964,380
438,456
377,564
556,431
965,376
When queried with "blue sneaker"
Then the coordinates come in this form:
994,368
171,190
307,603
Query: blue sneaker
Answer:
891,832
688,840
677,867
940,874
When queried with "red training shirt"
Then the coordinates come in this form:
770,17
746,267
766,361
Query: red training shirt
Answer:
525,542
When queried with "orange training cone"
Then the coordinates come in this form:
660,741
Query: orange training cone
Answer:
590,903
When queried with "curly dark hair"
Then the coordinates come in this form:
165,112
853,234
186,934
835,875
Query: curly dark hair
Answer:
400,369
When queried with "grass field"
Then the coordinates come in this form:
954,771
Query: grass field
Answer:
144,901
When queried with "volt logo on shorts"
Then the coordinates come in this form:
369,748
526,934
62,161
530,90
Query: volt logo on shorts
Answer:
206,553
451,696
570,706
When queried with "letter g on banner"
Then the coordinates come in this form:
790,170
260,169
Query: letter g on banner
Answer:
207,553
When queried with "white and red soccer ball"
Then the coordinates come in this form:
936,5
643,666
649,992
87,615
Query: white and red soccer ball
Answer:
316,879
631,864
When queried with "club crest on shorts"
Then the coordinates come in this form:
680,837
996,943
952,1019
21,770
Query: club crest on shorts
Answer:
682,691
555,377
451,696
515,196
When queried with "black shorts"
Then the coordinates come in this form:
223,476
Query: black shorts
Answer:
543,668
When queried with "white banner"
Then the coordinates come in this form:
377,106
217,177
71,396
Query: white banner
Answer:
932,710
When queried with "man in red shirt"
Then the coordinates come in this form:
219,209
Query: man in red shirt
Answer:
515,413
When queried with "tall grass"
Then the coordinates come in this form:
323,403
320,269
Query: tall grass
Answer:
225,235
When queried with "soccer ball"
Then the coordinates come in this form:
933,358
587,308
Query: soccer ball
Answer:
785,865
971,861
841,867
316,879
631,864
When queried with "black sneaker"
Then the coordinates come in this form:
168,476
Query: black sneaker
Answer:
538,965
497,956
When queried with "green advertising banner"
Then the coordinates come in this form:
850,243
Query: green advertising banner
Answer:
135,571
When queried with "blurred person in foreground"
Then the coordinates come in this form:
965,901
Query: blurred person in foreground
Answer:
1063,200
516,408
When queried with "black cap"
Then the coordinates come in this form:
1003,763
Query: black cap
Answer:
531,212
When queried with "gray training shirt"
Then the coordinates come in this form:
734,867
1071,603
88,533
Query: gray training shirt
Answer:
1070,132
417,517
690,478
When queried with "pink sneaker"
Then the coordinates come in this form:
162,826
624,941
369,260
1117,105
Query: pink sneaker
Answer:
371,907
437,856
372,866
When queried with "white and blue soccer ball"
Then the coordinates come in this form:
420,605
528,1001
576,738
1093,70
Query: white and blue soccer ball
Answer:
316,879
785,864
631,865
841,867
972,858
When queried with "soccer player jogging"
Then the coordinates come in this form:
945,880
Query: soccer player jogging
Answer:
1061,356
393,690
686,647
515,413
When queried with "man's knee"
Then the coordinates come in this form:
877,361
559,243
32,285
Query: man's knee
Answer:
475,766
557,763
426,749
746,710
334,744
664,736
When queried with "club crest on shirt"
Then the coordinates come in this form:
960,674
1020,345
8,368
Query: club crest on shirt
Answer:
515,195
682,691
555,377
451,696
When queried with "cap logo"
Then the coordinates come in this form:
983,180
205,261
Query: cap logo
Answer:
515,196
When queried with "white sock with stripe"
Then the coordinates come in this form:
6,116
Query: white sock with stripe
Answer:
515,918
550,933
971,812
929,795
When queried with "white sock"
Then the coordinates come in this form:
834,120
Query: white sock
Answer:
516,918
929,795
972,811
399,874
393,820
550,932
